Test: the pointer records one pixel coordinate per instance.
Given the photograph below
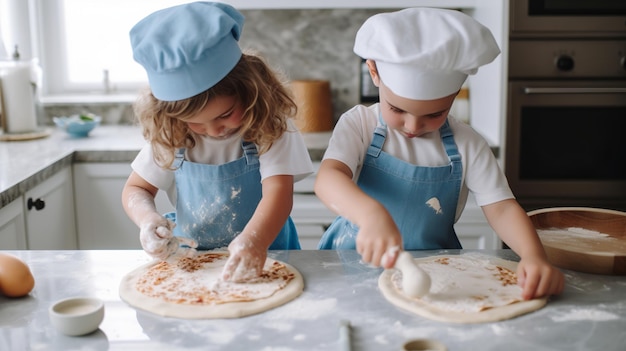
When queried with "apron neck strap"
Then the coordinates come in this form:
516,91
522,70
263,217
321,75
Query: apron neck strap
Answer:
250,152
178,158
380,134
448,142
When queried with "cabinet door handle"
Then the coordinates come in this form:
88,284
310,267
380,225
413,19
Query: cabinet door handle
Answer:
38,204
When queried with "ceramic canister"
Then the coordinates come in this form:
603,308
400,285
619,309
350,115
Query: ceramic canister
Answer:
314,101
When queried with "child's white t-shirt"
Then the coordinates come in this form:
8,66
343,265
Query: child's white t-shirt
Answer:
287,156
481,173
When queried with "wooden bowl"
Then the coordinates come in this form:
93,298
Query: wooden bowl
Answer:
583,239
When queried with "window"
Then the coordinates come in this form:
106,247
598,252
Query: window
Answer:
84,45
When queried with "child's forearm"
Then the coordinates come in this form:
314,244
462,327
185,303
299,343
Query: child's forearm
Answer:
335,188
509,220
138,203
138,199
271,212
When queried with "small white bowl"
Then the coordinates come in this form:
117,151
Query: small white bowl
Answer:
77,316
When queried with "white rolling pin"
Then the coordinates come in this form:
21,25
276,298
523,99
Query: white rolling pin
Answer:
18,101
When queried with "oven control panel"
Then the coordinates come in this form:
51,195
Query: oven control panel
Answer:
560,59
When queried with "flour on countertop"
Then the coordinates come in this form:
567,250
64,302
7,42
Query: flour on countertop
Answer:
581,314
304,308
414,332
381,339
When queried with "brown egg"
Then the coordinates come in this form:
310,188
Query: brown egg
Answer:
16,279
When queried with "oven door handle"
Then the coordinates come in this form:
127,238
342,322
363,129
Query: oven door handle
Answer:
529,90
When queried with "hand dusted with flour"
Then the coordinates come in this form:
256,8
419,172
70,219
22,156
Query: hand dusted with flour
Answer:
220,141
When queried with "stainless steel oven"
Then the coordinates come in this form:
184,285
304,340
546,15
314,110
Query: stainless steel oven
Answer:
566,143
567,17
566,119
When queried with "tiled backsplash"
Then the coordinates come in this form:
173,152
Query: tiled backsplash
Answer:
303,44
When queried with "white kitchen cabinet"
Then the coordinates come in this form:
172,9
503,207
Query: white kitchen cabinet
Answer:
473,230
311,218
49,212
12,227
309,214
101,220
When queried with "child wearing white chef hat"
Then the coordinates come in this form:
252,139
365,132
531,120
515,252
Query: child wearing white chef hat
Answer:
220,141
398,173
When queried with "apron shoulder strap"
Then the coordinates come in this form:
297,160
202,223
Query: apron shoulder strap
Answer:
450,145
178,158
380,134
250,152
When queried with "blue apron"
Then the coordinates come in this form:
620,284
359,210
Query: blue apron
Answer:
215,202
421,200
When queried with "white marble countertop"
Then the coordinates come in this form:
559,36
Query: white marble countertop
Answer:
24,164
589,315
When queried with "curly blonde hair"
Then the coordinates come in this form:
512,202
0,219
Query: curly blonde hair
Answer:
261,91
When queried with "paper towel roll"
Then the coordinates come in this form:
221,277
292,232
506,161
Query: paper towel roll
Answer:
18,103
315,108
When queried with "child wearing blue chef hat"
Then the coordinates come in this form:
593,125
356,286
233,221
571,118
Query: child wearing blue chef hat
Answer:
398,172
220,141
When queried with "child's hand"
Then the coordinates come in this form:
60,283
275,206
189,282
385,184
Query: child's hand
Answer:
376,238
155,236
539,278
245,262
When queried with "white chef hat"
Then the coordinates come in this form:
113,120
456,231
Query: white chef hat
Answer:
425,53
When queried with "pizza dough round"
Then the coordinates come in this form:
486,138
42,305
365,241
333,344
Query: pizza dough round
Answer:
465,289
190,288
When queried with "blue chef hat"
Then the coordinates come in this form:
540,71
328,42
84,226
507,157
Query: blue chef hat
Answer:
187,49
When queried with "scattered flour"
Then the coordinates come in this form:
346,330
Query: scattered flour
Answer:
299,337
408,332
304,308
221,337
582,240
234,193
580,314
381,339
280,326
574,232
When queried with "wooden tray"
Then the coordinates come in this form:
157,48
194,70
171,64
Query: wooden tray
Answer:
38,134
589,240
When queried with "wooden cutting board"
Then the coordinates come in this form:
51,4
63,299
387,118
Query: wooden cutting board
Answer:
581,239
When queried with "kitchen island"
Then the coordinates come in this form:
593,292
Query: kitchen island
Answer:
589,315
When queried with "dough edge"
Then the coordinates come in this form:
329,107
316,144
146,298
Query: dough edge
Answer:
422,309
134,298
